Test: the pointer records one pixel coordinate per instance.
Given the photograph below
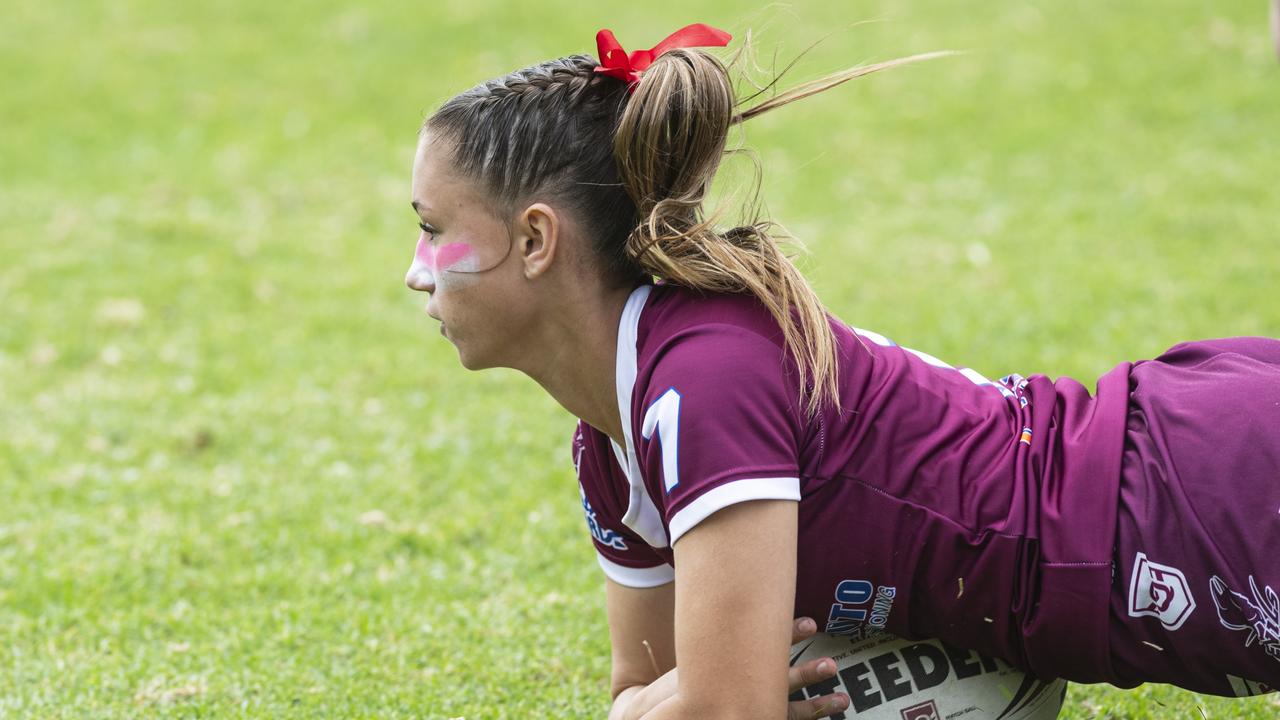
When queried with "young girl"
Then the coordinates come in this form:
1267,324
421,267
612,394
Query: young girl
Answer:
745,458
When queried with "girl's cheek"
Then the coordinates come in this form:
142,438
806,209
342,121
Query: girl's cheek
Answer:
452,257
455,257
437,265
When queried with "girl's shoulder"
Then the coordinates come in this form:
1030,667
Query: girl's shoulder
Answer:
674,314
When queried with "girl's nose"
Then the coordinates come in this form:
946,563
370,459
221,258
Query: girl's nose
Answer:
420,278
422,273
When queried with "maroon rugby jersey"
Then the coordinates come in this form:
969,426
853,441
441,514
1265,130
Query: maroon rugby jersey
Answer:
936,503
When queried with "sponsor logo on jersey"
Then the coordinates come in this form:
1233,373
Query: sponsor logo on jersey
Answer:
579,446
861,609
1159,591
924,711
603,535
1259,615
1018,386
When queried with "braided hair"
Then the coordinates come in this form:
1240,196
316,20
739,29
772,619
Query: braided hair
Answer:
634,168
548,130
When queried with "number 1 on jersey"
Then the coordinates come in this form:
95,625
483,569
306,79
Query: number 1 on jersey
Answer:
664,416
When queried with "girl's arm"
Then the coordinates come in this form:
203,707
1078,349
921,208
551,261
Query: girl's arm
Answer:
735,580
635,701
647,614
738,557
640,616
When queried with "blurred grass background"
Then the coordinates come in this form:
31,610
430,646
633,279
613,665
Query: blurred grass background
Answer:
242,476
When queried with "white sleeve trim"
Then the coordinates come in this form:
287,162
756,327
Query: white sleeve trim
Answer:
732,493
636,577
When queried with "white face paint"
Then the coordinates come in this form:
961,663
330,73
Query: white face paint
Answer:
432,264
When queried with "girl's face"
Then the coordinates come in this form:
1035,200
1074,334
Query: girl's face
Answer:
463,259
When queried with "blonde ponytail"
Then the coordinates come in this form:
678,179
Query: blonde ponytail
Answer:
668,146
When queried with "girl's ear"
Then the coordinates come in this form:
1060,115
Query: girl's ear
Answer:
537,238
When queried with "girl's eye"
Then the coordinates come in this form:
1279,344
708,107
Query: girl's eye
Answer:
428,229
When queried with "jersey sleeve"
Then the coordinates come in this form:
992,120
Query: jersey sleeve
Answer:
721,425
625,558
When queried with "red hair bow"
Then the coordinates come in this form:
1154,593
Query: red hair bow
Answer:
615,62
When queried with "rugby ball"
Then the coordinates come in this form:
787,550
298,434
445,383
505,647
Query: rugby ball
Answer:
888,678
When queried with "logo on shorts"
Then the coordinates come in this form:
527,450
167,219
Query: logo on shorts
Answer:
1260,615
923,711
602,534
1159,591
1243,687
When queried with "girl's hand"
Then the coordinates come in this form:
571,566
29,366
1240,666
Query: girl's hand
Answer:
636,701
808,673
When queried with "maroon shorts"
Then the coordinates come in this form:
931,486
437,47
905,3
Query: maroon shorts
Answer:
1194,599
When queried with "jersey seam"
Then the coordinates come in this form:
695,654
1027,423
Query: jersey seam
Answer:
822,441
743,328
933,512
1039,557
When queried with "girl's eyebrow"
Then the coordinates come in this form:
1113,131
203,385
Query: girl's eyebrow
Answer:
423,209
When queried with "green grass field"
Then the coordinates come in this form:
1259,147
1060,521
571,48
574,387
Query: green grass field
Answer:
241,474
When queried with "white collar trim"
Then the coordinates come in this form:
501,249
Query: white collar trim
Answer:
642,515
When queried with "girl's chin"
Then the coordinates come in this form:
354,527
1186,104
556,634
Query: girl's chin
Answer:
468,360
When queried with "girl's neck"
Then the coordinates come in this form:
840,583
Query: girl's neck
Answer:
577,357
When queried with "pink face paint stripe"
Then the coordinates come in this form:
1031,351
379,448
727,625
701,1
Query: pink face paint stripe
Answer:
440,258
424,253
451,254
